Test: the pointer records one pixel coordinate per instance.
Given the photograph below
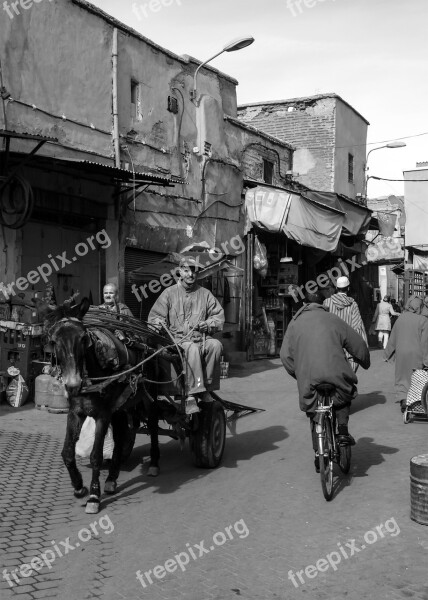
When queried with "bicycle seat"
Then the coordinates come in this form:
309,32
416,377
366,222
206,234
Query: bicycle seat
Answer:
325,389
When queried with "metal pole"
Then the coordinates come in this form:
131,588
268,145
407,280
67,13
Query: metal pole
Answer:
115,100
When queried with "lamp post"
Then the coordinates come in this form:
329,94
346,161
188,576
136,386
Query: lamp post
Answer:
389,145
232,46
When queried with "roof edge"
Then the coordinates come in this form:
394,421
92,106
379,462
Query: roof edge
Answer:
259,132
184,59
303,98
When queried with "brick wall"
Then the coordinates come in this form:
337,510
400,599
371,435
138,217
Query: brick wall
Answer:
252,163
309,125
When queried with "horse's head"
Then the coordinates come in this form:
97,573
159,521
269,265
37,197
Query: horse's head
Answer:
70,340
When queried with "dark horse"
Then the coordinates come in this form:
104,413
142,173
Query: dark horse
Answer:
112,403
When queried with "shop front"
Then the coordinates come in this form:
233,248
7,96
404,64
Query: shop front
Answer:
291,238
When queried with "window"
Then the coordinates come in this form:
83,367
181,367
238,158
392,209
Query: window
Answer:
350,168
267,171
135,99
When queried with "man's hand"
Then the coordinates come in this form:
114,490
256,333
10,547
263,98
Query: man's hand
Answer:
158,323
203,327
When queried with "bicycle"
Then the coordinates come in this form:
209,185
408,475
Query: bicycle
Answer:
329,449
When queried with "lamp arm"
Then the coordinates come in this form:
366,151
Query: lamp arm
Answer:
200,67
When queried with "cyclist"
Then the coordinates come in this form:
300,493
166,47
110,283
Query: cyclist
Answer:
312,353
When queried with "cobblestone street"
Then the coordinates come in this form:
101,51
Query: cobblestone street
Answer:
257,517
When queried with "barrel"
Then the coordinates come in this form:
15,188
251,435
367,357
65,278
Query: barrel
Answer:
419,489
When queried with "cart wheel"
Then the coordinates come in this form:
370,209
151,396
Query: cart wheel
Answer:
128,444
208,441
407,417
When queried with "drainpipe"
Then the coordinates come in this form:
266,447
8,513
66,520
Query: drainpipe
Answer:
115,102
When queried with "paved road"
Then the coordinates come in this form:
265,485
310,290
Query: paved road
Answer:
258,527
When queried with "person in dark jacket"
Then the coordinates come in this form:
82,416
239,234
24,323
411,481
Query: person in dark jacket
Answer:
409,343
313,352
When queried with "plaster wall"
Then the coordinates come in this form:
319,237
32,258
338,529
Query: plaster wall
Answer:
415,205
351,138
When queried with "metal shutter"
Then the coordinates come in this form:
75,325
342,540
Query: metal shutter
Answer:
134,259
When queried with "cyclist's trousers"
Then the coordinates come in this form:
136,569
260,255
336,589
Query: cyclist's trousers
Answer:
342,417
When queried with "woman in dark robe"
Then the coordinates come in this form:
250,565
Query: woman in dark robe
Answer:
409,343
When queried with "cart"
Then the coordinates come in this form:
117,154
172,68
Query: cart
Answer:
417,398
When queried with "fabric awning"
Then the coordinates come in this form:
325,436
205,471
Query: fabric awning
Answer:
309,221
357,217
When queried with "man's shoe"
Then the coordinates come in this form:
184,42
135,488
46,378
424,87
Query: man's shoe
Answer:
346,440
191,406
317,463
403,405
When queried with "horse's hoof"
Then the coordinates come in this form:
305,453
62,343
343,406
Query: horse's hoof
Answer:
81,493
92,505
153,471
110,487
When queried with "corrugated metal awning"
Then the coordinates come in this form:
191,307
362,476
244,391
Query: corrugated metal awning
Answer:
123,175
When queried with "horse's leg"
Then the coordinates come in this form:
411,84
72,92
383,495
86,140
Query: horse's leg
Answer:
152,425
119,423
74,425
96,460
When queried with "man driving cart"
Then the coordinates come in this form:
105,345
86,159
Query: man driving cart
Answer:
192,315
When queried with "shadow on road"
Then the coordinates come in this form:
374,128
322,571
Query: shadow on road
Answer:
257,366
367,454
251,443
363,401
177,469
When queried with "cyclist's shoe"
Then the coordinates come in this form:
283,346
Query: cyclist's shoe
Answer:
317,463
346,440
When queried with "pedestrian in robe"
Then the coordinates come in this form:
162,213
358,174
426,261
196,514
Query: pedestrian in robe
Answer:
409,343
382,319
192,314
312,353
424,310
346,308
111,300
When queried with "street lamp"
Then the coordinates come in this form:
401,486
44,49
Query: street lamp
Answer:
389,145
232,46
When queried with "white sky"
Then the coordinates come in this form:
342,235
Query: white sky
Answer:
373,53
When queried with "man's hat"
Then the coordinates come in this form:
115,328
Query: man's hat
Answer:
342,282
190,261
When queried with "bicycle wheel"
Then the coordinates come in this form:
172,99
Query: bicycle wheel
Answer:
345,458
325,449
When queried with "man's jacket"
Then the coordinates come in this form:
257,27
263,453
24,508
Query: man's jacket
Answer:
313,352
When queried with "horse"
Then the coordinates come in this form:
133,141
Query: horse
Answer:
107,404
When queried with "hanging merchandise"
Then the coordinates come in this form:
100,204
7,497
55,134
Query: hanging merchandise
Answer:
17,390
260,255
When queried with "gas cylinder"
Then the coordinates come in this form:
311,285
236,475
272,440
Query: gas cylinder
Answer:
50,393
41,389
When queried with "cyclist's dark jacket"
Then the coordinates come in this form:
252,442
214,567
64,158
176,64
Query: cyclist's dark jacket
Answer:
312,352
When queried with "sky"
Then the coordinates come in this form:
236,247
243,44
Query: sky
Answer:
372,53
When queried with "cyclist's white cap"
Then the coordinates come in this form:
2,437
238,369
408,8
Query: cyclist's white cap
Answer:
342,282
